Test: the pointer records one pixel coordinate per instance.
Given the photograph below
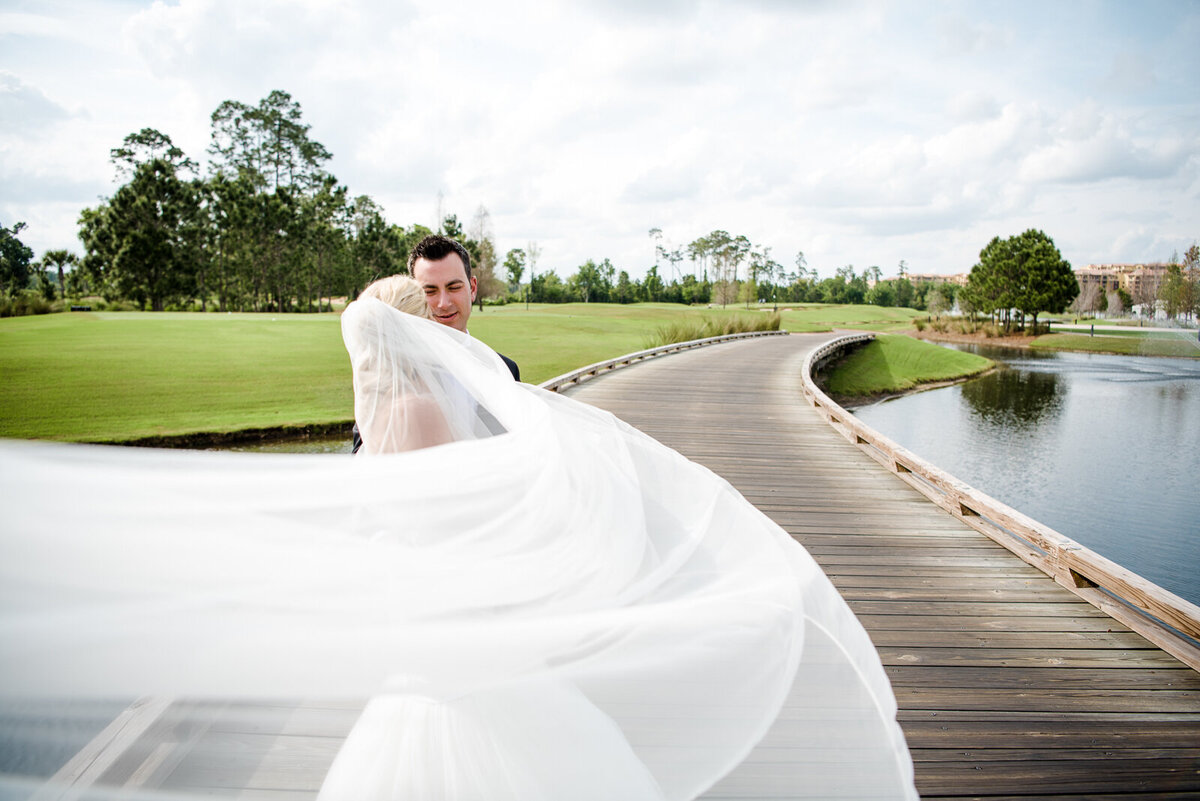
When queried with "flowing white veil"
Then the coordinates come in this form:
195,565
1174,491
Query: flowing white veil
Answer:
541,602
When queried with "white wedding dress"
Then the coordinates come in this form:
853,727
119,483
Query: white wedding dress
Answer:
542,602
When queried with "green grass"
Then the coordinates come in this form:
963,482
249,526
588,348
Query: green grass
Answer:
1128,343
895,363
115,376
807,317
126,375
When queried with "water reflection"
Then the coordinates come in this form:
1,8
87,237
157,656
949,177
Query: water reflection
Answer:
1014,399
1105,449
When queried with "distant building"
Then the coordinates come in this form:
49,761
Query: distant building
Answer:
1129,277
934,278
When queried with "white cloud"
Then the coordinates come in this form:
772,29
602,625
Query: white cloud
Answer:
1089,146
859,132
24,109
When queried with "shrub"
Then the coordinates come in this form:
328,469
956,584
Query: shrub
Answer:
918,323
27,301
686,331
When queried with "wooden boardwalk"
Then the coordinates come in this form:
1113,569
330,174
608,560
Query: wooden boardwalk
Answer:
1009,685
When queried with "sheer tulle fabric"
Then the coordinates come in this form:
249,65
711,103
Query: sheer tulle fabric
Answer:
541,602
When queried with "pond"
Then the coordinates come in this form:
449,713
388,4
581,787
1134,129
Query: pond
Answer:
1104,449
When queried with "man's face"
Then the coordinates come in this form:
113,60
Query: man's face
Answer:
448,291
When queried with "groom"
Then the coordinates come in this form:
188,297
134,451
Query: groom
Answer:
442,266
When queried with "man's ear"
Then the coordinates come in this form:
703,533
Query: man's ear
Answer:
474,287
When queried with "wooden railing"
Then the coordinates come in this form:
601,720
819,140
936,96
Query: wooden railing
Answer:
1163,618
584,373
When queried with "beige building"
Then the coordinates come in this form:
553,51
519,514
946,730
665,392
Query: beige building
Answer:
1130,277
934,278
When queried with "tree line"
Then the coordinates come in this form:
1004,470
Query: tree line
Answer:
269,228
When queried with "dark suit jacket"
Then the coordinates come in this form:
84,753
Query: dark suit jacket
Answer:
509,363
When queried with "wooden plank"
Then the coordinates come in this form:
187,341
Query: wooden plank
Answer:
1107,773
1180,678
1100,735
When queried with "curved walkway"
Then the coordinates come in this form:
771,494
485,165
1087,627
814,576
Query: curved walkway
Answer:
1009,685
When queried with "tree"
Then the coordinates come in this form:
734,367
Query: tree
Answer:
1145,292
451,227
148,145
514,267
1046,281
592,282
882,294
1172,292
15,257
1087,301
1116,304
656,236
988,285
699,251
652,285
1025,272
533,252
144,242
1191,276
624,288
59,260
748,291
674,257
276,201
480,241
268,142
936,302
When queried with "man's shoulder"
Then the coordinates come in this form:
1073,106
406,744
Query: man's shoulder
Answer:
512,367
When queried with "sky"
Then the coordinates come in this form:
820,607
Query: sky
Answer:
858,133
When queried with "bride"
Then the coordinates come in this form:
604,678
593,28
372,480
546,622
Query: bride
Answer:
542,602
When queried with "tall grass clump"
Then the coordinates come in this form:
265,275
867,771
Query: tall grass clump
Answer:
23,303
687,330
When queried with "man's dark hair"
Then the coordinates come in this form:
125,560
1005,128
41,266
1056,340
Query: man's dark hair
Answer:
436,247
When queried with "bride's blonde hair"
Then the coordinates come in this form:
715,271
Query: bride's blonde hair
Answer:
400,292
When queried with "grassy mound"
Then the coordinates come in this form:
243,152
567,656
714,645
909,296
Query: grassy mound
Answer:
894,363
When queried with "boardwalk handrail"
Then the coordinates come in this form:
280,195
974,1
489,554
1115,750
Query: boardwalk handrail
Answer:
1163,618
576,376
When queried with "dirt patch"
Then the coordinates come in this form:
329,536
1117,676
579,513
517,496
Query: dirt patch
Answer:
1020,341
220,439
